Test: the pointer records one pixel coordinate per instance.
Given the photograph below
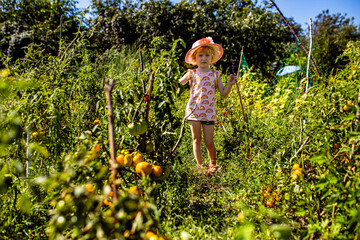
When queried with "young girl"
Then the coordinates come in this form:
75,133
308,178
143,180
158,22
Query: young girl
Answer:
202,103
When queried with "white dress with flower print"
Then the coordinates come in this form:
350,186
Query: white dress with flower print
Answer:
202,93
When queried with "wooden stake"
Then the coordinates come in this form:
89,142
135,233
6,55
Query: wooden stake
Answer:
108,88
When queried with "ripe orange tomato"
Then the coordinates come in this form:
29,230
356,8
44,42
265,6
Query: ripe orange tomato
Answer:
107,202
138,158
143,168
89,188
351,103
346,108
296,166
297,172
270,202
33,135
149,234
157,171
97,148
295,177
135,190
120,159
127,233
128,159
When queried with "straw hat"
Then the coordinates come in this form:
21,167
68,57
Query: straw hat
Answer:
218,50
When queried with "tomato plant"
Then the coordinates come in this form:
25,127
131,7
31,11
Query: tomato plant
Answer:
290,171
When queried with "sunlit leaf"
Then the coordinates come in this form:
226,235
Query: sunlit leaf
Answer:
322,158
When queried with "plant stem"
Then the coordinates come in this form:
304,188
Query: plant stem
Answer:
180,136
297,152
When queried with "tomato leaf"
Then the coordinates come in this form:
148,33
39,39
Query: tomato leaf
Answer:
319,158
301,212
350,117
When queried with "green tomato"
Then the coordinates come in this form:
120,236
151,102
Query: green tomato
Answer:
149,147
133,129
143,127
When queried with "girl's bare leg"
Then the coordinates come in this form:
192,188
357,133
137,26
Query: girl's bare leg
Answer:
195,127
209,142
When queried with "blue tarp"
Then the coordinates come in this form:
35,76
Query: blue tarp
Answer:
287,70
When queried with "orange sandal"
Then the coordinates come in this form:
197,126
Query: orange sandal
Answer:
202,169
212,170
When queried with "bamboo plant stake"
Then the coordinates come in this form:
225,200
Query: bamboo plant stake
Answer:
303,122
142,69
147,109
297,38
309,57
28,154
307,75
238,89
61,23
108,89
353,147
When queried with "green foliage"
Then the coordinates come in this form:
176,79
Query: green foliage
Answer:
331,35
85,209
56,113
54,108
323,197
36,22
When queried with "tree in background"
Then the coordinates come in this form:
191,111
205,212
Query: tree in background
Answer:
36,21
117,23
232,23
264,35
331,34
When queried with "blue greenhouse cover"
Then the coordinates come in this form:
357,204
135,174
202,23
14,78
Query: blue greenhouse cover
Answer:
287,70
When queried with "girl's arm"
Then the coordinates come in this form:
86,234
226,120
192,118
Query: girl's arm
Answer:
185,78
224,91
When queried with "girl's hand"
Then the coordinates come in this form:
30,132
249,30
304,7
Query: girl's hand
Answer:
232,79
185,78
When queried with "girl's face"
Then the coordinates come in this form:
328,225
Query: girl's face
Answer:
203,58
